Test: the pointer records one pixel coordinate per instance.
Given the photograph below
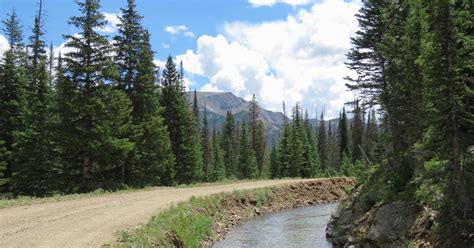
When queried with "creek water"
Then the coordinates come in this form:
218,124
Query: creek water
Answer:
300,227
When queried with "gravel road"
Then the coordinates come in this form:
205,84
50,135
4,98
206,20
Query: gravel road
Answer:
91,222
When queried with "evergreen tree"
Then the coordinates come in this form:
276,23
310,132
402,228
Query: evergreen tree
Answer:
195,107
206,145
182,126
343,135
152,160
247,167
100,114
322,148
297,143
284,149
309,166
12,93
257,129
3,166
274,167
357,132
229,145
446,62
218,168
14,34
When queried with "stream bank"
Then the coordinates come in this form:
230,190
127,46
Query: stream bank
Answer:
204,221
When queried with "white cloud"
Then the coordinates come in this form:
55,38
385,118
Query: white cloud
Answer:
112,22
180,29
294,3
4,46
165,45
300,59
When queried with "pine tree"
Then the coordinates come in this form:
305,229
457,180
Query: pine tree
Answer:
3,166
12,90
12,93
247,164
206,145
195,107
229,145
218,168
296,143
274,166
446,62
365,58
322,148
343,135
152,160
101,115
182,126
257,129
357,132
309,166
14,34
284,149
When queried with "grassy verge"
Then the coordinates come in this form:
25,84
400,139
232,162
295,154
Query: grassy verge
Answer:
188,223
202,221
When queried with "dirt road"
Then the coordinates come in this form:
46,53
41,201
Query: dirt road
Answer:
91,222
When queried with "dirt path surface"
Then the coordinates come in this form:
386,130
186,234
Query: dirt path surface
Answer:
91,222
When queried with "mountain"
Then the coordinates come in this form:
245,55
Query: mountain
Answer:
218,103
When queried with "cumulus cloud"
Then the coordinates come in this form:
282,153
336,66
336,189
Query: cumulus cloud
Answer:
180,29
300,59
112,22
294,3
4,46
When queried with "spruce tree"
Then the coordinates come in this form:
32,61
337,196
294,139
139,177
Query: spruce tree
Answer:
36,162
14,34
274,167
12,90
322,145
309,166
446,62
247,161
152,160
297,143
284,149
257,129
13,95
101,114
357,132
3,166
343,135
182,126
206,145
229,145
218,168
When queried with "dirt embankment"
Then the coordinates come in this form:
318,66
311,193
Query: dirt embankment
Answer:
91,222
237,208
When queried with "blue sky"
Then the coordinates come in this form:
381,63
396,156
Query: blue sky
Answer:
291,50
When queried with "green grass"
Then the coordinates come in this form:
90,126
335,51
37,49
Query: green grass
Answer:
187,223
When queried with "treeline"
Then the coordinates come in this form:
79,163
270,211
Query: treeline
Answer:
415,60
312,149
104,116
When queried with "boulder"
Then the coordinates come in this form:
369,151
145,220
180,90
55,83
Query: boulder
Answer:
392,222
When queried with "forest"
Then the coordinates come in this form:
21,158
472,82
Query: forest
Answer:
103,115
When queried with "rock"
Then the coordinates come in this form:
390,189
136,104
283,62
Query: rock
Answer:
392,222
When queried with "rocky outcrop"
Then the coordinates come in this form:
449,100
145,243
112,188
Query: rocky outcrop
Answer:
394,224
